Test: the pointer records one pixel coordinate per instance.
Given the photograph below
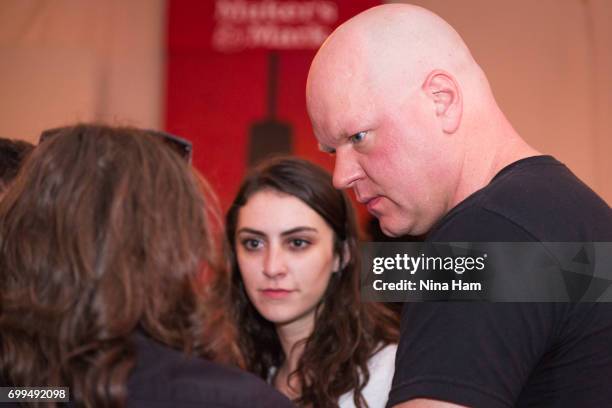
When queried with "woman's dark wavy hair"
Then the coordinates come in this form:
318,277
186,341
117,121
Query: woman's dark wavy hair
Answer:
347,332
106,232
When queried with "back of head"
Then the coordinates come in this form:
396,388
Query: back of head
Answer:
12,153
104,233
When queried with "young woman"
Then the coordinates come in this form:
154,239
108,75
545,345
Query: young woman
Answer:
296,290
111,274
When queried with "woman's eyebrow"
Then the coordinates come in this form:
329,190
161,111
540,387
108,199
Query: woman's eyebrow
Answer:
250,231
299,229
247,230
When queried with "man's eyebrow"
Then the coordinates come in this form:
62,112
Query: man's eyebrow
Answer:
326,149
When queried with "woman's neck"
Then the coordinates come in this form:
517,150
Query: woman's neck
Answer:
291,336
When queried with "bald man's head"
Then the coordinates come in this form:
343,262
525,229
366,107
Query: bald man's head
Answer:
389,49
390,93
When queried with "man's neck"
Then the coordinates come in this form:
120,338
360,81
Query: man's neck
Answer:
487,156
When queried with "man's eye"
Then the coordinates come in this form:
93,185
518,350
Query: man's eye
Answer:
251,244
358,137
327,149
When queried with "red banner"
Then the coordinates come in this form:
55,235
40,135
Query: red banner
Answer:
236,77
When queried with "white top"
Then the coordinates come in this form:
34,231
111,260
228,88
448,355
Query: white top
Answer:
376,392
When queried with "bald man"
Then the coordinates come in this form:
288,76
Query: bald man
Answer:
395,95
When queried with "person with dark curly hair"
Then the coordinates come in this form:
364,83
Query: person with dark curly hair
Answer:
12,154
296,290
113,282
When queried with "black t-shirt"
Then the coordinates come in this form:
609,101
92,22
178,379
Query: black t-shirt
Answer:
513,354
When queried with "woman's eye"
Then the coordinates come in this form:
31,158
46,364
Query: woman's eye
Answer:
251,244
299,243
358,137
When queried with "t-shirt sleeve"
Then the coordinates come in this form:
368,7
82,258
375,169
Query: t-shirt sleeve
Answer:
474,354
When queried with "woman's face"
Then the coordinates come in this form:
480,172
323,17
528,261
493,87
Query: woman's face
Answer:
285,254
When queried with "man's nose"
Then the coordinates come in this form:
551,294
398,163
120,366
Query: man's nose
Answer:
274,262
346,170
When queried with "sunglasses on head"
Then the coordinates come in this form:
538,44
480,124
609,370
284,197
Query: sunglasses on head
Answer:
182,147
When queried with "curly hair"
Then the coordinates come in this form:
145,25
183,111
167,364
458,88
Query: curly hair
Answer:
106,232
347,332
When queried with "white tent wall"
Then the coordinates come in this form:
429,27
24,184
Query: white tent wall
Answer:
63,61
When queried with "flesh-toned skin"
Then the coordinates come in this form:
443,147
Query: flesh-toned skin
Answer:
286,258
396,96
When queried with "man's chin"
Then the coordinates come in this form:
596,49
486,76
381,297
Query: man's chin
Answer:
393,229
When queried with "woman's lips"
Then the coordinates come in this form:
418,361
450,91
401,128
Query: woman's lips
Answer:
276,293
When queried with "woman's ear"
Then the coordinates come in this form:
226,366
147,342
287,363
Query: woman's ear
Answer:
346,257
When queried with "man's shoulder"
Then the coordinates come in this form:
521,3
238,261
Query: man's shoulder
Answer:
534,199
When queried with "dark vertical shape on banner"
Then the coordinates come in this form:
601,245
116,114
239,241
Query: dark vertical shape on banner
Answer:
272,83
270,136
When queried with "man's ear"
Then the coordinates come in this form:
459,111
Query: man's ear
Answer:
346,257
445,93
